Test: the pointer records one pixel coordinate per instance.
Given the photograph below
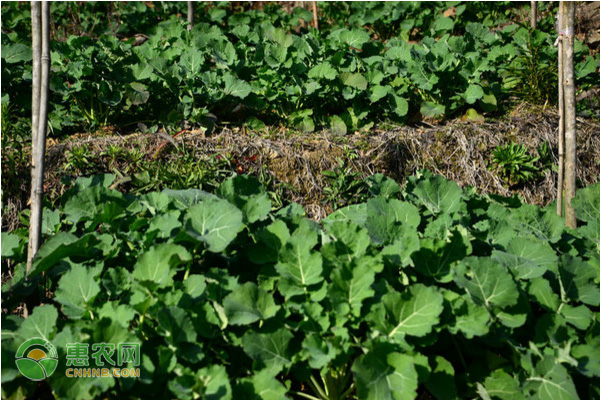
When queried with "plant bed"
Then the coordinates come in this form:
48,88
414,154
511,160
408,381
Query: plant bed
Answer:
424,291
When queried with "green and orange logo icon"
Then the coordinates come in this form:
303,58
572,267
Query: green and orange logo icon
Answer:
37,359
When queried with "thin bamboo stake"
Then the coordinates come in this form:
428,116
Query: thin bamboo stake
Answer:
534,14
569,104
315,15
190,15
561,122
35,226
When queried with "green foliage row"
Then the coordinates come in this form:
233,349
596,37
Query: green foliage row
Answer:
426,290
251,67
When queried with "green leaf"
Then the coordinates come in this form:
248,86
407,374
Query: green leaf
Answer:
439,195
587,203
248,304
502,386
192,60
305,125
122,314
155,264
470,318
527,258
399,106
487,282
551,381
10,243
319,351
577,278
248,195
387,220
354,80
215,383
41,323
96,203
541,291
442,23
322,71
432,110
473,93
271,349
16,52
378,92
236,87
441,381
176,326
269,241
351,284
214,221
138,93
414,312
382,374
355,38
298,264
194,285
337,125
580,317
264,385
434,257
76,291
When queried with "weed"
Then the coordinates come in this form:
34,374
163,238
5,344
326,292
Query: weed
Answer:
514,165
345,187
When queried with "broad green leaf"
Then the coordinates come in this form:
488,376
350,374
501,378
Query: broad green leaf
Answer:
526,258
215,382
248,195
95,203
76,291
248,304
138,93
470,318
487,282
41,323
588,357
385,218
441,381
337,125
194,285
580,316
155,264
264,386
355,38
587,203
214,221
119,313
355,213
439,195
354,80
305,125
381,185
502,386
269,241
319,351
577,279
16,52
192,61
414,312
542,224
434,257
551,381
473,93
382,374
541,291
442,23
175,325
272,349
298,264
399,106
322,71
10,243
378,92
430,109
351,284
236,87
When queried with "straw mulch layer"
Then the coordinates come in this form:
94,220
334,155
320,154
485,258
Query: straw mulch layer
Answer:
457,150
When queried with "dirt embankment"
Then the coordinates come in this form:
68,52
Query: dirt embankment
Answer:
457,150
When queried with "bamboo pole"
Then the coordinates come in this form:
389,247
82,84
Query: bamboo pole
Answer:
190,15
561,122
569,104
35,226
534,14
315,15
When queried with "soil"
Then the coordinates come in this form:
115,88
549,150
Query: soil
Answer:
458,150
